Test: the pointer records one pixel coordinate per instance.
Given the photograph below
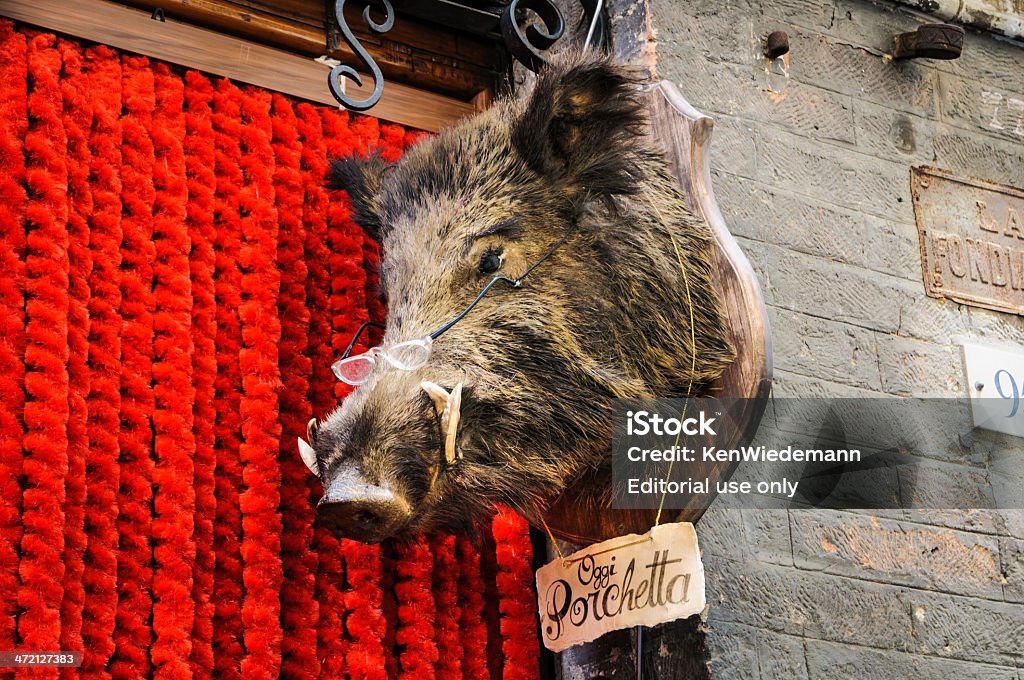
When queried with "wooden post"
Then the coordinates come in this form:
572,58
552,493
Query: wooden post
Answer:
672,651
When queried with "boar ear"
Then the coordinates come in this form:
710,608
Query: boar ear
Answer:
362,178
580,124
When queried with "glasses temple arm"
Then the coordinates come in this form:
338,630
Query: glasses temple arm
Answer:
355,338
543,257
515,283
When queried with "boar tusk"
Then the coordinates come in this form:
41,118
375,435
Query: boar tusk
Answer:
438,394
308,456
449,406
312,430
450,423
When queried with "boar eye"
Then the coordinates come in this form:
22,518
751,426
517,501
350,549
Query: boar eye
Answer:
490,261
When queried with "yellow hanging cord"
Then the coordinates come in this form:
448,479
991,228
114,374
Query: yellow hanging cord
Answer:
551,537
693,367
693,347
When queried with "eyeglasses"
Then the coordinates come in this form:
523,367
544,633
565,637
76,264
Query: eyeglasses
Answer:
412,354
408,355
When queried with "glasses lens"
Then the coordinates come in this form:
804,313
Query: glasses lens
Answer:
354,370
409,355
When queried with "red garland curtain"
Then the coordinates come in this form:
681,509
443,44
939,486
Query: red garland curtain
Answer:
174,282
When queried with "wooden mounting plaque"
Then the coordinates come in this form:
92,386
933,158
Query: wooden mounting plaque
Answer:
583,513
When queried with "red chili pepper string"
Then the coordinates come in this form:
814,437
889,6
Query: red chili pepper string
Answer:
201,181
228,593
472,627
104,404
46,354
389,607
313,161
174,445
258,360
317,253
416,611
518,601
392,141
13,126
413,137
132,634
348,278
298,556
394,145
447,605
331,643
363,136
230,244
77,123
365,622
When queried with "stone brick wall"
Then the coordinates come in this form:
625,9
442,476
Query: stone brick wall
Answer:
811,162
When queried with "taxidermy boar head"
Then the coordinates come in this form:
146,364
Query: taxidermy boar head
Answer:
561,194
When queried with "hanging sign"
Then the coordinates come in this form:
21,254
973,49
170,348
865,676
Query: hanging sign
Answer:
995,380
972,239
634,580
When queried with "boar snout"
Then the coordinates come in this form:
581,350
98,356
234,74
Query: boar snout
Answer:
381,456
354,508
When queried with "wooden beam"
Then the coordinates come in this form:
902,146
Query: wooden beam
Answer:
431,58
241,60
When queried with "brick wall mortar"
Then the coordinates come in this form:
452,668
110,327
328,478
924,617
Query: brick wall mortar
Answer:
819,228
689,71
862,612
813,179
763,655
735,61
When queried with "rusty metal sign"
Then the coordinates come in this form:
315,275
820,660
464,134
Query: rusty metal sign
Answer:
972,239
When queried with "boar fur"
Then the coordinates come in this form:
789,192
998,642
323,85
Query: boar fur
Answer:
606,315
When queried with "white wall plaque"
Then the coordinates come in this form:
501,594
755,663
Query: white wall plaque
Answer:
995,381
634,580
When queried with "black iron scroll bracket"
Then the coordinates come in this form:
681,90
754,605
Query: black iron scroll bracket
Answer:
340,71
527,46
529,29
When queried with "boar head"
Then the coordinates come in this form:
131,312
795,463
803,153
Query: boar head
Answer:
563,180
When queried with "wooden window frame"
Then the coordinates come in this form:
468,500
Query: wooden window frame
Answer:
241,60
